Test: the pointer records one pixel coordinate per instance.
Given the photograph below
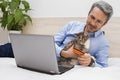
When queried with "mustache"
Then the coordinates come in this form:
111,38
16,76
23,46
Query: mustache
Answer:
91,25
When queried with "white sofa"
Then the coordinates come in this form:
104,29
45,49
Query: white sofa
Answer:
52,25
9,70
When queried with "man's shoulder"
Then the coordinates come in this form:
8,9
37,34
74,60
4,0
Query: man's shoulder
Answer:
76,22
103,39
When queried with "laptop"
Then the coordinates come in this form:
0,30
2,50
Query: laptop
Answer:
36,52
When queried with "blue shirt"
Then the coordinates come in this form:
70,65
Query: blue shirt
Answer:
98,43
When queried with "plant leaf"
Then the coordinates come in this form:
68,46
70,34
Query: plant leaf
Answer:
14,5
0,20
26,5
4,19
4,5
18,15
10,26
23,22
28,17
10,19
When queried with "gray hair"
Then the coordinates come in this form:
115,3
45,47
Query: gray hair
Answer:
105,7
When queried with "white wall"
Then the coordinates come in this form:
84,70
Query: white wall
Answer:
67,8
61,8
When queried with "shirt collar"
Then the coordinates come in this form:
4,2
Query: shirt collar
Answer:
95,34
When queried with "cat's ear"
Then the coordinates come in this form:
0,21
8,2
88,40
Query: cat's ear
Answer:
77,34
85,33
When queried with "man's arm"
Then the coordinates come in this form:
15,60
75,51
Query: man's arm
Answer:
69,53
60,37
101,59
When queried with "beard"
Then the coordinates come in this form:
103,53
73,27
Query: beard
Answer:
91,28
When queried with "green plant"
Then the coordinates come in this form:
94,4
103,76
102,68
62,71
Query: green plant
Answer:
14,14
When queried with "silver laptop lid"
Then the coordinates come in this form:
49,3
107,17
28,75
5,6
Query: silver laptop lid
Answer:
35,52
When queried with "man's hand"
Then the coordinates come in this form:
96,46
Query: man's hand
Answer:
84,59
69,53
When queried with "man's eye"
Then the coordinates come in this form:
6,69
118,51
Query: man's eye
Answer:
92,17
99,22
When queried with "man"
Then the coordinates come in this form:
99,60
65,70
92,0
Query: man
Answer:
97,55
6,50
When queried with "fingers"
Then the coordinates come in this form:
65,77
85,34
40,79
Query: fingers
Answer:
84,60
71,54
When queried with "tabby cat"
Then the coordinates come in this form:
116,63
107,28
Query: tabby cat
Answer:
77,43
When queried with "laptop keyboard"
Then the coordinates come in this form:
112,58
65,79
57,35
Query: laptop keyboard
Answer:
64,68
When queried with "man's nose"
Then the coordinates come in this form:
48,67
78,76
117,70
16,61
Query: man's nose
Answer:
93,22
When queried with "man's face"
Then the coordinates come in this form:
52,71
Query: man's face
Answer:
96,20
